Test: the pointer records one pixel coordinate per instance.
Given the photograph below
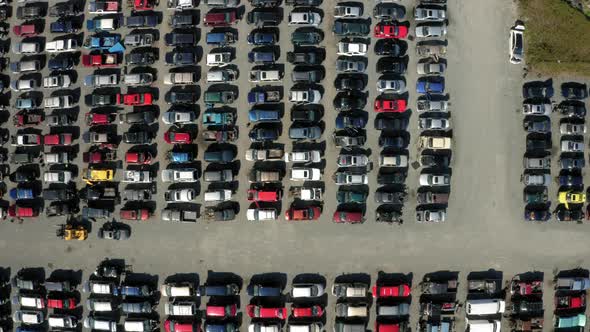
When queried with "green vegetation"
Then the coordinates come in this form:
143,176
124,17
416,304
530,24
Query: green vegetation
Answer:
557,38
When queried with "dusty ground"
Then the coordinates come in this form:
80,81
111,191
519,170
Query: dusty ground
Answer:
484,228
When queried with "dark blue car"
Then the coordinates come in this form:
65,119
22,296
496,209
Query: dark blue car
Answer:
430,85
21,193
536,214
570,180
140,291
220,327
261,38
260,290
62,27
263,134
350,121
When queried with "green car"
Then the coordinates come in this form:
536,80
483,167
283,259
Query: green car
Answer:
301,38
571,321
537,196
351,197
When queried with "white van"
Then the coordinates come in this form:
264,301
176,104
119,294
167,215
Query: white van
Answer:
346,310
180,78
25,66
139,325
101,324
59,102
99,305
483,325
264,327
29,301
219,195
58,322
180,308
313,327
57,177
177,289
485,307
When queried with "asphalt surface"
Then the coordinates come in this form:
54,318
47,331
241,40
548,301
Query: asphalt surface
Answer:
484,228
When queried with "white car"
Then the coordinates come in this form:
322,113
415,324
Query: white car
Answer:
313,156
264,327
59,102
348,11
61,45
180,195
63,177
351,48
306,174
261,214
23,85
536,108
434,124
429,13
389,85
28,317
572,146
307,290
56,81
516,44
177,117
431,30
310,96
430,68
568,128
305,19
435,179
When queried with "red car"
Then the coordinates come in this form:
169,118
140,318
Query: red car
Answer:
221,311
135,99
22,212
138,158
387,327
385,30
58,139
99,119
100,60
172,137
97,156
69,303
348,217
220,19
307,312
135,214
305,213
570,302
177,326
390,105
143,5
25,30
402,290
264,195
255,311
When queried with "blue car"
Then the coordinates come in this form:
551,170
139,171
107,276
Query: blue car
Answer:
430,85
261,38
260,290
141,291
569,180
21,193
264,116
350,121
220,327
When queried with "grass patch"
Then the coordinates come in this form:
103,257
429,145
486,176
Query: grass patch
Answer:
557,38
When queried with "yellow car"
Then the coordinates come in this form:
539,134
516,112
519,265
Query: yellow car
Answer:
91,175
567,197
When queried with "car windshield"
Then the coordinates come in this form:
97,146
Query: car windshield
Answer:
518,43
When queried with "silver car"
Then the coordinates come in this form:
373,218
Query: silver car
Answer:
430,68
572,128
350,66
435,180
431,215
434,124
387,85
352,160
431,30
429,13
572,146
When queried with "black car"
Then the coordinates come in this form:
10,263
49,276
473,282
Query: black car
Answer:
392,178
536,214
350,100
137,137
181,97
181,58
537,90
264,17
141,57
61,62
58,194
538,143
389,47
572,214
433,160
30,11
142,21
391,65
265,3
349,82
180,38
308,57
114,231
393,141
572,108
537,124
25,175
183,20
574,90
390,123
303,2
61,209
305,114
62,9
389,12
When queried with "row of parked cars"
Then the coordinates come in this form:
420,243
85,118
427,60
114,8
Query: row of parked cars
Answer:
433,115
537,108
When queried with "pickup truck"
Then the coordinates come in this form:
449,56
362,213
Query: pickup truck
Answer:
218,59
179,175
303,58
214,214
306,194
97,81
179,215
139,39
181,4
101,42
101,24
211,118
260,97
432,198
138,177
103,7
435,143
264,176
100,60
256,76
61,45
262,155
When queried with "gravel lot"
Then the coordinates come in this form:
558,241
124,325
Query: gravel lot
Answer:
484,227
